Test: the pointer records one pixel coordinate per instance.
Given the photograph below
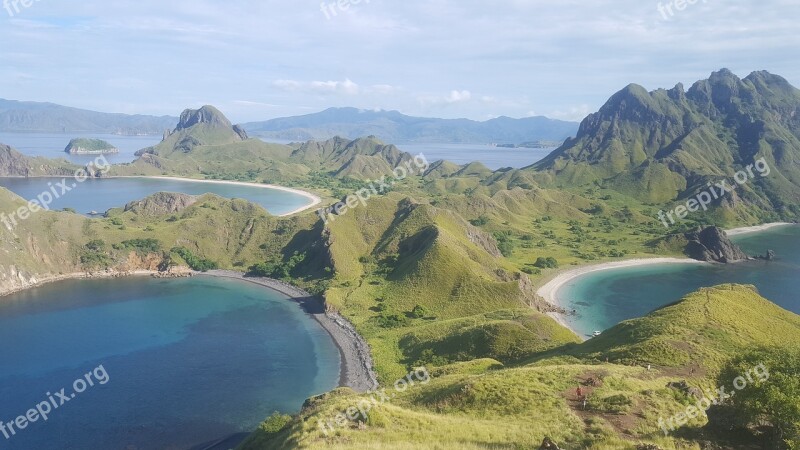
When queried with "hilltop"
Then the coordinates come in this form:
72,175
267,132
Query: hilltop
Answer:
483,402
83,146
669,144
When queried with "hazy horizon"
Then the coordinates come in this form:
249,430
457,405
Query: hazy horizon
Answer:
449,59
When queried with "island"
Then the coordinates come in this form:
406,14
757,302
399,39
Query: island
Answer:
85,146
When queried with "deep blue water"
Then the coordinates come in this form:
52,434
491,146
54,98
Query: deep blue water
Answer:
189,361
608,297
103,194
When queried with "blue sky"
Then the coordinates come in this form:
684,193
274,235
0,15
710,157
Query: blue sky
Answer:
260,59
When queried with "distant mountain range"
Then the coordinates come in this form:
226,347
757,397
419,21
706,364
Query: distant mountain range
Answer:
352,123
16,116
395,127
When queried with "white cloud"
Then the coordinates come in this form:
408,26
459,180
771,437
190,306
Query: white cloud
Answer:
346,87
459,96
567,57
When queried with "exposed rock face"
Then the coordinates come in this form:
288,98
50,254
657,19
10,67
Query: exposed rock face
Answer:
15,164
207,114
12,162
713,245
161,204
770,256
548,444
241,132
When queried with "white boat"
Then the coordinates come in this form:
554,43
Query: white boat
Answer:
597,333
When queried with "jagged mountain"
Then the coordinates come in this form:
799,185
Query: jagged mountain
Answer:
667,144
393,126
37,117
205,141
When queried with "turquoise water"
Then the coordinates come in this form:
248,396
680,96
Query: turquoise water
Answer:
103,194
189,361
603,299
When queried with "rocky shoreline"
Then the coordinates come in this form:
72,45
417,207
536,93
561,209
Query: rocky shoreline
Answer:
33,282
356,371
357,368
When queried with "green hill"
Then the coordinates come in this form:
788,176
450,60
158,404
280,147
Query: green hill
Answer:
83,146
440,270
483,404
669,144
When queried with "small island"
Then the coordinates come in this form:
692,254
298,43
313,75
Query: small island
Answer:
84,146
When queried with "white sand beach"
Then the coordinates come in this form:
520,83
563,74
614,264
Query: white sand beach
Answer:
549,291
314,199
755,229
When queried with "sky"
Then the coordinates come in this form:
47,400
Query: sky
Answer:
261,59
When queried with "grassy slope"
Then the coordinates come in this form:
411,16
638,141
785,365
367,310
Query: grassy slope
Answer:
397,254
415,247
703,330
480,404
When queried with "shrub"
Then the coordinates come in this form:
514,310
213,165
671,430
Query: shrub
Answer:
546,263
142,245
275,423
419,312
480,221
394,320
196,263
773,395
615,404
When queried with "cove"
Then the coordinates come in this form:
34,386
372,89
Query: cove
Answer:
103,194
605,298
190,361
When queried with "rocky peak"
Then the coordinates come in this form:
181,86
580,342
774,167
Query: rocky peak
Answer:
713,245
161,204
208,115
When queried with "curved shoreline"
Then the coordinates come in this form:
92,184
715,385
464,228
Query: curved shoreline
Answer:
755,229
315,200
549,290
356,371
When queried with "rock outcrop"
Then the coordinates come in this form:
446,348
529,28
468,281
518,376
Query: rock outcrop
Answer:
548,444
15,164
769,256
712,245
161,204
208,115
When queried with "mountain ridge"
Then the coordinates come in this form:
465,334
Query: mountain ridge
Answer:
39,117
394,126
665,145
